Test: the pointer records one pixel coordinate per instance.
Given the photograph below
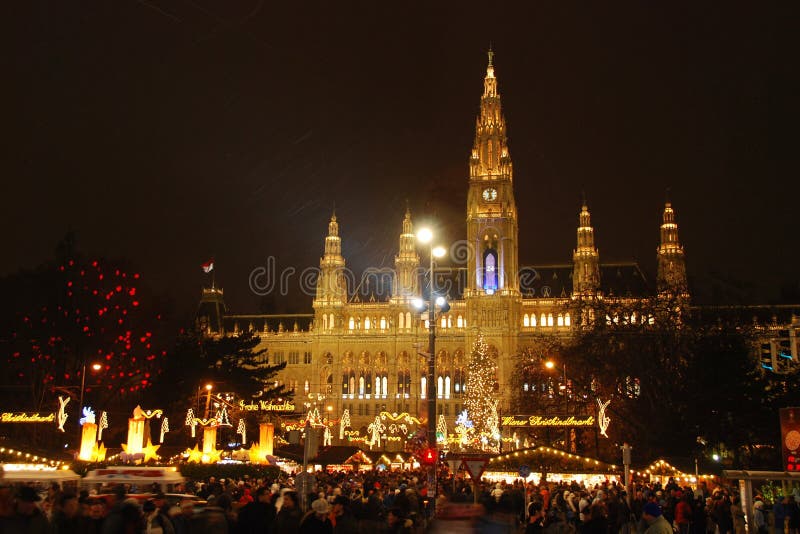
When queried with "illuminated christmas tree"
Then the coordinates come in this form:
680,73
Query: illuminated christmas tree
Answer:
480,391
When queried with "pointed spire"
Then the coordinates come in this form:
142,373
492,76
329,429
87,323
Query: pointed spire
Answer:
671,259
585,257
407,260
490,156
490,53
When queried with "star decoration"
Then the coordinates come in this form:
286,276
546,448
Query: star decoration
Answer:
150,451
195,455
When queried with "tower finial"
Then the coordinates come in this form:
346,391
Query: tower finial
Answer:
583,198
490,53
667,200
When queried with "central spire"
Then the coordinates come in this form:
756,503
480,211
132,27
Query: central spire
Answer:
490,158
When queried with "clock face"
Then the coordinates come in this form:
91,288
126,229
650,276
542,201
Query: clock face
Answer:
489,194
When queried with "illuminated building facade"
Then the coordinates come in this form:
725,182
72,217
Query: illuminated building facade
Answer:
363,352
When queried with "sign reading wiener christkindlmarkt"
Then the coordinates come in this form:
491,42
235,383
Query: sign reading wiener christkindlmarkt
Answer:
25,417
547,420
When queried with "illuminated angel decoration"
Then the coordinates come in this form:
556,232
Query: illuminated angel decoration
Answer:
376,428
602,419
62,413
344,423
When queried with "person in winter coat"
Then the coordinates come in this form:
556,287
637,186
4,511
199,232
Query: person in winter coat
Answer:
656,524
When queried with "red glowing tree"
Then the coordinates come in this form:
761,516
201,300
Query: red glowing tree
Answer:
71,315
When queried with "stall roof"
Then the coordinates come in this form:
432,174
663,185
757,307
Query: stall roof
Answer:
30,475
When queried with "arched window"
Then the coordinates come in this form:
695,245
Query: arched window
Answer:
490,271
324,322
439,387
460,322
526,320
567,320
351,323
447,386
449,322
444,322
533,319
352,384
543,320
560,319
377,386
366,323
401,384
400,321
330,321
408,383
368,383
345,378
549,319
383,323
423,389
408,319
361,385
306,386
384,383
457,381
427,324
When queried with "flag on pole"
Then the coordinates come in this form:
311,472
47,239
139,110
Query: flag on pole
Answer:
208,266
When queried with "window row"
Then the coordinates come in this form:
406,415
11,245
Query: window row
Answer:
295,357
365,386
562,319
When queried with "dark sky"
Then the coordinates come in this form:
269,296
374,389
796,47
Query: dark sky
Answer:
170,132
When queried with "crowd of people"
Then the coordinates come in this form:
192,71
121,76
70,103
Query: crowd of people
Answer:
390,502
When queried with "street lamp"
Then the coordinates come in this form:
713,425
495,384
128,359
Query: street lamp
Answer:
552,365
425,236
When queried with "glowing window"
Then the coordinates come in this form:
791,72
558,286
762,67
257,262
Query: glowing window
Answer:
330,321
560,319
533,319
490,271
384,383
567,320
447,387
400,322
366,323
526,320
444,322
460,322
377,386
439,387
423,389
351,323
361,385
549,319
383,323
324,322
306,386
543,320
408,319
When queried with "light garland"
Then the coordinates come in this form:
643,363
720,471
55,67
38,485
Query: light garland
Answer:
29,456
553,452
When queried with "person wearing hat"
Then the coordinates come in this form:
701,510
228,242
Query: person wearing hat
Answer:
316,521
288,518
27,516
656,524
342,519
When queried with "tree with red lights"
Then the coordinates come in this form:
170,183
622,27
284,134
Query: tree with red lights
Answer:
74,314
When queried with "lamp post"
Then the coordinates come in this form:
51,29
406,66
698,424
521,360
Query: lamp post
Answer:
209,387
425,236
551,365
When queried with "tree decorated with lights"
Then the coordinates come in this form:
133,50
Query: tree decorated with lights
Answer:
480,394
75,314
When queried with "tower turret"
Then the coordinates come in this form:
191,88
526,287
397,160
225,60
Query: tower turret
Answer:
671,260
406,263
585,258
331,284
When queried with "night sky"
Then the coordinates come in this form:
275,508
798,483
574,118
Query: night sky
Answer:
170,132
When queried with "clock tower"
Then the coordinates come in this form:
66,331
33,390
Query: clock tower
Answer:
491,210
